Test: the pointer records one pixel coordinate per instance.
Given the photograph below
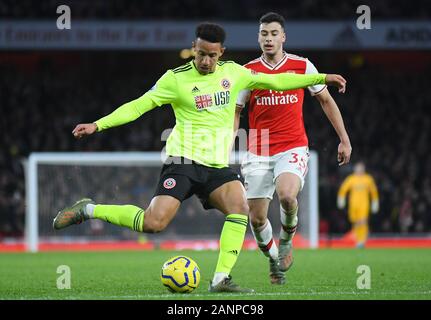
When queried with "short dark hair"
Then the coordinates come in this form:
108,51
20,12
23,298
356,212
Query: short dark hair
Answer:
272,17
210,32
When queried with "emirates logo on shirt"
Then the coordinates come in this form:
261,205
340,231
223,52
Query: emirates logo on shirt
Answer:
276,100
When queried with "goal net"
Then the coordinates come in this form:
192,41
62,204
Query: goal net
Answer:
56,180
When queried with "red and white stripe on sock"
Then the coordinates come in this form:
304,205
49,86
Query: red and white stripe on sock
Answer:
265,240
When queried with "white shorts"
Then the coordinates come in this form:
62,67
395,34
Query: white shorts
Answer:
260,172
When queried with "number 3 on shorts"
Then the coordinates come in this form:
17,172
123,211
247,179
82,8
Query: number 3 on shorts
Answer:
295,158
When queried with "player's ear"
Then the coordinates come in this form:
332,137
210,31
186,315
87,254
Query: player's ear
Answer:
194,48
222,50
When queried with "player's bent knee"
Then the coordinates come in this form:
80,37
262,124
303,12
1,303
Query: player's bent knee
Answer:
154,226
153,222
257,221
257,217
288,199
243,208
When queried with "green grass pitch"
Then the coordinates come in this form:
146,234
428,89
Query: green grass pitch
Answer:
316,274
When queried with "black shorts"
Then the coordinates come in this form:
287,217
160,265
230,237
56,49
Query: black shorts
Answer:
181,178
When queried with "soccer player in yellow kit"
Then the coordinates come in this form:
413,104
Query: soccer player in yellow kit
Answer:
202,93
360,186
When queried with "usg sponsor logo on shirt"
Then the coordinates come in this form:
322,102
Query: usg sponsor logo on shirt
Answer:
206,101
221,98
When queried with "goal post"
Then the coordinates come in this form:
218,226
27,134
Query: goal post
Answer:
313,199
54,180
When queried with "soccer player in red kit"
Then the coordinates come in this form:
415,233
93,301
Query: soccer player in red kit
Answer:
278,146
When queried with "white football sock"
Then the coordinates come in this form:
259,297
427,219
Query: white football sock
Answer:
265,240
89,210
289,221
219,276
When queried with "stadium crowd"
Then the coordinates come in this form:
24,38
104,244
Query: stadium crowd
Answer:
224,10
385,110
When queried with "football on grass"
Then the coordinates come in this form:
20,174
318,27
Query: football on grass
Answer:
180,274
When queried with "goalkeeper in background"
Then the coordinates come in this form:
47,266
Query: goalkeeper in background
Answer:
360,186
202,93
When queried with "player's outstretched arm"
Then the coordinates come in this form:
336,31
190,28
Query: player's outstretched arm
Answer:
337,81
84,129
126,113
289,81
164,92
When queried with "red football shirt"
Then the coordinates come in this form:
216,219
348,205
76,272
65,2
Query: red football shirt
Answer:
275,118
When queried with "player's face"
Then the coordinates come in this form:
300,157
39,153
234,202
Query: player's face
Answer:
271,38
207,55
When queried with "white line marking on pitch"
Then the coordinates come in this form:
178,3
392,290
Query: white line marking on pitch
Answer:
268,294
262,294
